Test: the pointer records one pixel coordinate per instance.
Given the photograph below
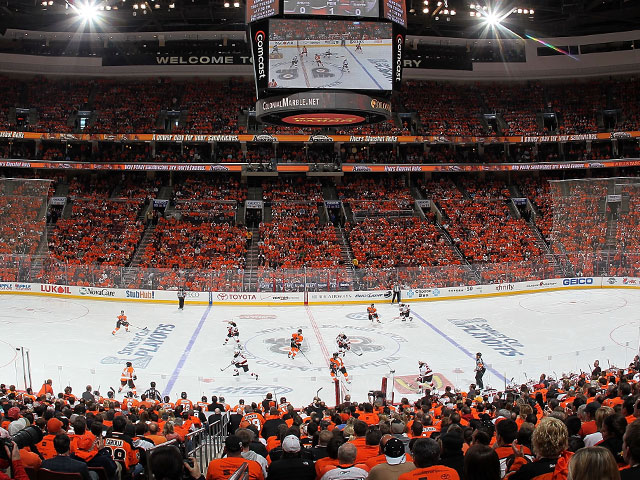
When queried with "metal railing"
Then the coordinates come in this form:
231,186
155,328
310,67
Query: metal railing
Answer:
203,444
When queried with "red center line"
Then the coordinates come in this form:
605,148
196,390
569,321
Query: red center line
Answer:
304,70
314,325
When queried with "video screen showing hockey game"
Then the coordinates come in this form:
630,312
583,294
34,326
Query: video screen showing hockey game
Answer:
336,54
356,8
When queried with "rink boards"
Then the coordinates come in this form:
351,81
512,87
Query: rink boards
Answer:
318,298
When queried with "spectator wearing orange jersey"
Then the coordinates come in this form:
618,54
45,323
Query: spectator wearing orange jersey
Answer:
222,468
426,455
62,461
153,434
395,462
46,388
252,417
45,447
371,447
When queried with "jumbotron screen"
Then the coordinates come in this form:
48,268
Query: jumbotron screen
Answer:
344,8
338,54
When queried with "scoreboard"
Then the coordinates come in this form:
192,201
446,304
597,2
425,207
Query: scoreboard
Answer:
326,62
344,8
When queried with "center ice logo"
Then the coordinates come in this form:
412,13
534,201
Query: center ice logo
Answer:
283,345
358,316
287,74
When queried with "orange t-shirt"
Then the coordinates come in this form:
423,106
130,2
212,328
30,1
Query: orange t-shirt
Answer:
436,472
223,468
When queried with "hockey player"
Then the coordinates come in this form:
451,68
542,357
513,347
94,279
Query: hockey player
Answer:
167,404
359,47
328,53
337,365
345,65
127,378
185,402
240,361
274,49
304,52
373,313
294,62
232,333
405,312
318,60
153,394
425,375
343,344
296,343
122,322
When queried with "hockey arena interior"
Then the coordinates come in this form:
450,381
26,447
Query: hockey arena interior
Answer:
188,292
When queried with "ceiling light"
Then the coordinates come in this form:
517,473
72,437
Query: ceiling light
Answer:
425,10
87,11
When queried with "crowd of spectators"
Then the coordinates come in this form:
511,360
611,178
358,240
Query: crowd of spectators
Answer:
483,227
443,108
214,106
201,247
576,427
580,221
371,195
470,221
132,106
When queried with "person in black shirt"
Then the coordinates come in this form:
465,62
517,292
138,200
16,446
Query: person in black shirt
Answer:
181,295
291,464
631,452
595,373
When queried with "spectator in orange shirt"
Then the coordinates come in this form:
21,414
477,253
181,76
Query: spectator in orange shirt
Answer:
223,468
426,455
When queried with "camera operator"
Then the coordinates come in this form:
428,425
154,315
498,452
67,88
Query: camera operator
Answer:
13,454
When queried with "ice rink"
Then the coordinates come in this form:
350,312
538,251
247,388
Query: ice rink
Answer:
367,69
520,336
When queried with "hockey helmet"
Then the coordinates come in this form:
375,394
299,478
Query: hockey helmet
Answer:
129,364
299,330
183,395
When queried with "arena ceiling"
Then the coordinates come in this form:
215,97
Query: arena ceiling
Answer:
550,18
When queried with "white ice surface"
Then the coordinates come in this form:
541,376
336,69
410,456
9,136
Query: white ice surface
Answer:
70,341
369,69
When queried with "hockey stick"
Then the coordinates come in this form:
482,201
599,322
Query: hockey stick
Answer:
318,391
300,350
358,354
145,328
305,356
223,369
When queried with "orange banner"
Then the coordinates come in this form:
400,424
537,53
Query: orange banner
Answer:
210,138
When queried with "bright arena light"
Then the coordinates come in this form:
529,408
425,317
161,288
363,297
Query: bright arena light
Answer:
87,11
492,19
